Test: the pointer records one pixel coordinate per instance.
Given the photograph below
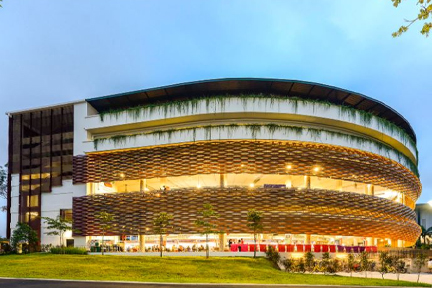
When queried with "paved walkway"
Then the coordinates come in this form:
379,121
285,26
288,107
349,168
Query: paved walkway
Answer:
424,277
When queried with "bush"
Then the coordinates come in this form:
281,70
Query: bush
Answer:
289,264
68,250
273,255
300,266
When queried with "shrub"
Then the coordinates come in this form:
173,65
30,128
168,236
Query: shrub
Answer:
273,255
68,250
289,264
300,266
309,261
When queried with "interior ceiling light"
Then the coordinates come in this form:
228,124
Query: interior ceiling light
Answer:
252,185
288,166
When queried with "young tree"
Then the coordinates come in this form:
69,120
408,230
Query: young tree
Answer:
398,266
205,223
105,220
385,261
23,234
309,261
161,223
325,262
57,226
351,263
3,185
365,263
254,219
419,263
423,15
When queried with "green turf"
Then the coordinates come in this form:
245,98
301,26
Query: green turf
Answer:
168,269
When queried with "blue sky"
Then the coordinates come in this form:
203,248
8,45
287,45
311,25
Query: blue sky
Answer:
59,51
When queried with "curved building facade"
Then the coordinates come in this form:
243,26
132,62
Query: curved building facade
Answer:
324,165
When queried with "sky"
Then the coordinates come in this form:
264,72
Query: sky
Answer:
59,51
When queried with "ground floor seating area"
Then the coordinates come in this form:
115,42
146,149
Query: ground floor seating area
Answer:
303,248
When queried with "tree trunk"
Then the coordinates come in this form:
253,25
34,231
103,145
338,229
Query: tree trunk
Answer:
255,244
418,278
207,247
102,244
160,244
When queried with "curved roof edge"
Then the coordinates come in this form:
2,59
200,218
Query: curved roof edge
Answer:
290,88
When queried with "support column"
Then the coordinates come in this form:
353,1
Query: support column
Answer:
222,241
369,241
307,182
355,241
308,239
339,185
394,243
142,243
222,180
370,189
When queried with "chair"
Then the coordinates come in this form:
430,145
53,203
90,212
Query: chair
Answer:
340,248
368,249
349,249
244,248
332,248
355,249
290,248
263,247
362,249
234,248
251,248
324,248
300,248
374,249
281,248
307,248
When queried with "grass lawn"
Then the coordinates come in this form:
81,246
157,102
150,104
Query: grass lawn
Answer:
167,269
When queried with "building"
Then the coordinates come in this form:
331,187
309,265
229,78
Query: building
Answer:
424,214
324,165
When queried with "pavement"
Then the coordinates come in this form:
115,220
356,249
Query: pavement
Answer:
40,283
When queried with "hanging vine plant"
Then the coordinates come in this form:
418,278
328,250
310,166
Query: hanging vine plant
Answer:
269,129
190,106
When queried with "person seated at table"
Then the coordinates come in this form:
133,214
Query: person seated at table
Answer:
229,243
239,246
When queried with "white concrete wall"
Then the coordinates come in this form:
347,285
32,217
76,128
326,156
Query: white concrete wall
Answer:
14,201
51,203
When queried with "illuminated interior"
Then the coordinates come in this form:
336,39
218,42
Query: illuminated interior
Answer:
252,181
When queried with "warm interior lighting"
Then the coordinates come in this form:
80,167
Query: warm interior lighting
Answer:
122,175
198,186
316,169
242,165
251,185
288,167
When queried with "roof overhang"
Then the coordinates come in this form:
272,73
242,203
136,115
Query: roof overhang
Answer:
233,86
